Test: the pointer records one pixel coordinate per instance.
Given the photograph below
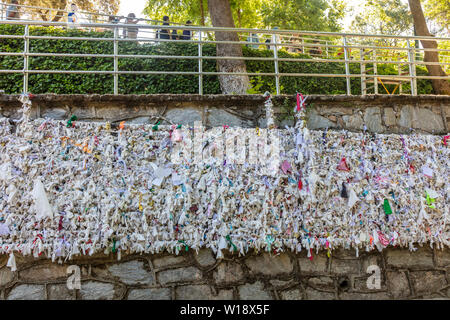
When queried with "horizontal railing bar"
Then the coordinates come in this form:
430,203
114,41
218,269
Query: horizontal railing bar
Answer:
221,29
220,42
81,55
225,73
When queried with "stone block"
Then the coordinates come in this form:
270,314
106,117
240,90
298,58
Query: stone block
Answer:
353,122
205,257
269,264
201,292
405,259
101,271
280,283
360,284
27,292
168,261
321,282
83,113
184,116
6,276
293,294
316,121
372,119
218,117
228,272
345,266
426,282
364,296
59,292
398,284
442,257
140,120
150,294
44,272
312,294
428,121
389,117
371,259
179,275
132,272
406,114
337,110
318,264
55,113
95,290
254,291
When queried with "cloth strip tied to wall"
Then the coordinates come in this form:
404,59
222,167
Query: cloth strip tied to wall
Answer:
125,194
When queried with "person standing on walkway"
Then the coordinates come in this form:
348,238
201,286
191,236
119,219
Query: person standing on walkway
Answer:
166,33
131,32
187,34
12,12
253,37
72,15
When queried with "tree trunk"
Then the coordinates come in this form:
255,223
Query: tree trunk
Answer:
43,15
221,16
440,86
202,12
239,18
58,16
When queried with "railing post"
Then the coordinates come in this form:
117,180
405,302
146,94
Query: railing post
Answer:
412,69
363,73
375,72
275,55
200,64
326,48
347,67
116,60
26,50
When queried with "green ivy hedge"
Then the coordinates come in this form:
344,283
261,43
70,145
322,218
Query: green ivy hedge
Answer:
139,84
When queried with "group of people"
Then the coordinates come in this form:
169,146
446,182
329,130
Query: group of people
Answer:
131,32
166,34
173,35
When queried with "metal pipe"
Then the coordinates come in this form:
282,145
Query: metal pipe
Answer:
25,59
347,67
116,61
411,69
81,55
200,64
277,77
240,30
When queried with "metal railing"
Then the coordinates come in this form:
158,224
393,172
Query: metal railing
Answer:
342,48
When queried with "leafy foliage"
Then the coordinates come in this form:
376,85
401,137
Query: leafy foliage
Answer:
103,6
439,11
384,17
314,15
167,83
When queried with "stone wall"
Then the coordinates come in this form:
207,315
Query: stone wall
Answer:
424,274
379,113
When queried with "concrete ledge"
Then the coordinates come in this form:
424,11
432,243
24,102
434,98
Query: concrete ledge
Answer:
377,113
